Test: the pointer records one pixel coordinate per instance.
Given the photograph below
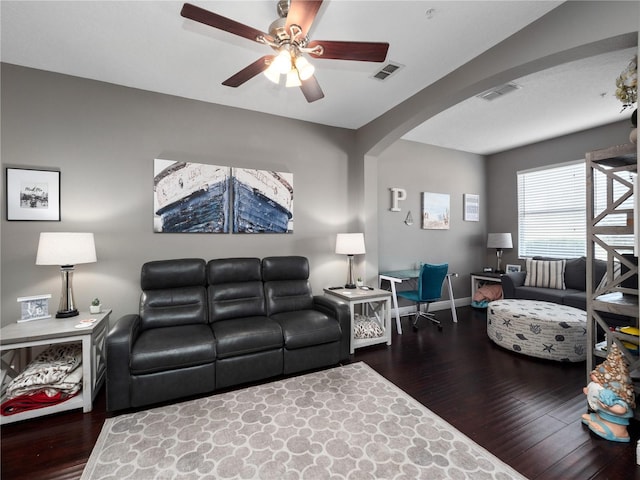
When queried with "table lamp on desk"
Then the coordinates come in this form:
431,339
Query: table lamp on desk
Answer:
350,244
499,241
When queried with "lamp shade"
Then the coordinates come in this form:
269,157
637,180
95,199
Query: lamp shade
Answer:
65,248
350,244
499,240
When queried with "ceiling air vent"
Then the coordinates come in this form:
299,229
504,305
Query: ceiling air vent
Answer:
499,91
386,71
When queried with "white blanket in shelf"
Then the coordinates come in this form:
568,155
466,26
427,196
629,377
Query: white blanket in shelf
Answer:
56,370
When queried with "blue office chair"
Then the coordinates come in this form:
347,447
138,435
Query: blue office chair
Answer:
429,290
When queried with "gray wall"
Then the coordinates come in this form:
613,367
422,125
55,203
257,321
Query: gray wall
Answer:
502,169
421,168
104,138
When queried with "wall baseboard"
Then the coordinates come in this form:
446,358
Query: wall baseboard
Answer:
434,307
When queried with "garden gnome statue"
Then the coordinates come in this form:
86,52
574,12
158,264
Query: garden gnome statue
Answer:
610,397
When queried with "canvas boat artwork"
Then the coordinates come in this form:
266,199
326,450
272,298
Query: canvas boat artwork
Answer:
201,198
190,197
262,201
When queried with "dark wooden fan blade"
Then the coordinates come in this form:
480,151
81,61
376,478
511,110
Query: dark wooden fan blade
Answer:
249,72
223,23
302,13
359,51
311,89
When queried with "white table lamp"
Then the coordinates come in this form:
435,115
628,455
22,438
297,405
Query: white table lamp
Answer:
66,249
499,241
350,244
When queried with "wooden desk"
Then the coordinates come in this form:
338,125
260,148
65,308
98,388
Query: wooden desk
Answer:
61,330
399,276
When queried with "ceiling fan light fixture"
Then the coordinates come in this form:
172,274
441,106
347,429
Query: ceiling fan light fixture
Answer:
305,69
282,62
293,80
272,74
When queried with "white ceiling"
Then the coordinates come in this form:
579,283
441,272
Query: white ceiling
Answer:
148,45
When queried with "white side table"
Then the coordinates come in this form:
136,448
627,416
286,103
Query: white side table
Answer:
480,278
376,302
61,330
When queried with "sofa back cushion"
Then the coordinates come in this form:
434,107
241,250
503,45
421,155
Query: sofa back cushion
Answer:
173,293
235,288
286,284
575,273
545,273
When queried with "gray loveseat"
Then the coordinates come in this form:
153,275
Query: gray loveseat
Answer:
203,326
575,281
574,295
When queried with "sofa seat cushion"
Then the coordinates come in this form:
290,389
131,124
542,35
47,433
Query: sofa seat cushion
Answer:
552,295
168,348
576,299
241,336
304,328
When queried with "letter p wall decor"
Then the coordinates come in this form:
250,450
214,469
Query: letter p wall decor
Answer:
397,195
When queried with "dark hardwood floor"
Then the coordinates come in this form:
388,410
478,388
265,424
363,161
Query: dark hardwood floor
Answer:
524,411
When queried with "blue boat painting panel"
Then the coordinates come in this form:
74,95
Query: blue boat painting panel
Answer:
262,201
190,197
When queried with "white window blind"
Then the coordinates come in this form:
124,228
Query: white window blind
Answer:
552,216
552,212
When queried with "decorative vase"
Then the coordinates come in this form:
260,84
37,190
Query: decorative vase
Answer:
95,308
633,136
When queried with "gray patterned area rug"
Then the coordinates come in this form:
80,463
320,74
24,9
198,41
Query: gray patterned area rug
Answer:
343,423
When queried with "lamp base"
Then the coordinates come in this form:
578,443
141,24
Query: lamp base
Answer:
67,313
350,285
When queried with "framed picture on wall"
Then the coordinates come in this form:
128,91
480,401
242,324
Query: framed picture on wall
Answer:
435,211
33,194
471,207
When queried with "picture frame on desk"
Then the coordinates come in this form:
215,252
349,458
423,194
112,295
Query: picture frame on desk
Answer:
512,268
34,308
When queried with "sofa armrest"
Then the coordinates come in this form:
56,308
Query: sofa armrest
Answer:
510,281
340,311
119,343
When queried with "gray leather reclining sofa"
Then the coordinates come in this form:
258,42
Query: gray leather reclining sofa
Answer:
204,326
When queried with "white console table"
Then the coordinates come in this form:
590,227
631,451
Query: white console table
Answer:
35,333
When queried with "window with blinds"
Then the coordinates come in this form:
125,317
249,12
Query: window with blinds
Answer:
552,213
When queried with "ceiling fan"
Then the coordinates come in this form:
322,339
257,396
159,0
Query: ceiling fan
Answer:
288,36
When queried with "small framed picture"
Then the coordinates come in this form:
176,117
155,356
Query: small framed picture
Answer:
34,308
512,268
33,194
471,207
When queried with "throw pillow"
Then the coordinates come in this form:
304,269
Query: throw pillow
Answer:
545,273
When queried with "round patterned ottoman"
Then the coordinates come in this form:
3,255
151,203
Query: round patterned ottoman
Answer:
539,329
